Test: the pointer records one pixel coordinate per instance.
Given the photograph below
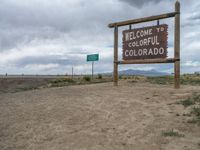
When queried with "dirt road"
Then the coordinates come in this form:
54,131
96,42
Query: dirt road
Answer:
131,116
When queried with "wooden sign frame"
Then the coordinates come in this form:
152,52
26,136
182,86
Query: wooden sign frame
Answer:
175,60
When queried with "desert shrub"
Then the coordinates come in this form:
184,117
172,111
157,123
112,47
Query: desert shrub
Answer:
61,82
69,80
125,78
193,120
160,80
186,103
196,98
184,79
196,118
99,76
190,79
87,78
196,111
54,81
172,133
136,78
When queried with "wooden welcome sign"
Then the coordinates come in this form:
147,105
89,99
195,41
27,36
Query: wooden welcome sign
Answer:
148,44
145,43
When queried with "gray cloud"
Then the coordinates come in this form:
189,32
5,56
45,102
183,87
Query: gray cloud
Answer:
25,22
12,37
41,60
194,17
139,3
75,28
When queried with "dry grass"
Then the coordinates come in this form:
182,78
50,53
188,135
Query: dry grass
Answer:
10,85
193,102
187,79
172,133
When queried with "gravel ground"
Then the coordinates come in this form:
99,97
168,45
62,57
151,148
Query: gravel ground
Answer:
131,116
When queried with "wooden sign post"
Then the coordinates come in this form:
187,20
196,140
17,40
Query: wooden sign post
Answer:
115,56
148,45
177,46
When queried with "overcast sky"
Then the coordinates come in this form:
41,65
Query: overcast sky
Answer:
49,37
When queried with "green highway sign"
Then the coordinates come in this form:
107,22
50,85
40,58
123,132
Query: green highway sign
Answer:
93,57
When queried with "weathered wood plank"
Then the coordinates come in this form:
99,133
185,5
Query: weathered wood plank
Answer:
140,20
149,61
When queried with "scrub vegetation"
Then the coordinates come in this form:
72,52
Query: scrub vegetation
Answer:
172,133
186,79
23,83
193,105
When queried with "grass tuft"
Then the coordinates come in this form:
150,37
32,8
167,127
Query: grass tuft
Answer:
196,98
193,121
172,133
61,82
87,78
99,76
186,103
194,101
196,111
186,79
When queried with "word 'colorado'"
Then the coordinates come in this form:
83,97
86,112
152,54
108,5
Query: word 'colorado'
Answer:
145,52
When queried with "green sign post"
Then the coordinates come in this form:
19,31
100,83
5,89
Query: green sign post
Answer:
93,57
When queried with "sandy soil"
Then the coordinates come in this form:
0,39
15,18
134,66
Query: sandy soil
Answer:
131,116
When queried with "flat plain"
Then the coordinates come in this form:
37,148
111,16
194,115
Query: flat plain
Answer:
132,116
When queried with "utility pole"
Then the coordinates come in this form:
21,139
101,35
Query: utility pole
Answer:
72,72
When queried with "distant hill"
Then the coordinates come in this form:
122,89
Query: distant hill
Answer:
142,72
